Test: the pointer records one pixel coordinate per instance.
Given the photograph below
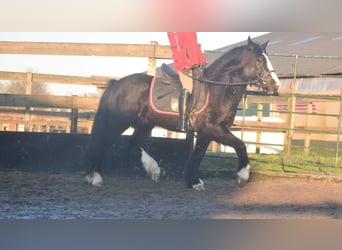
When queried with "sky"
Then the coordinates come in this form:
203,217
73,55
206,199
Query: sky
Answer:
96,65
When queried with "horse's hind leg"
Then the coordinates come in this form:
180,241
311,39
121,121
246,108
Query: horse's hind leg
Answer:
102,137
97,147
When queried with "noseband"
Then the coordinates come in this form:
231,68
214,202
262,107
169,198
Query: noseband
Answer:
263,75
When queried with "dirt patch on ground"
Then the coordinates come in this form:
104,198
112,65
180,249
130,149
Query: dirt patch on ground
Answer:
66,195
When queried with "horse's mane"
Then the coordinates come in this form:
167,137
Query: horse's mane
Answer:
229,61
225,61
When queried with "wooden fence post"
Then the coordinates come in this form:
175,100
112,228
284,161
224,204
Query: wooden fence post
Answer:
152,62
291,107
74,118
245,106
28,91
258,135
339,131
307,125
214,147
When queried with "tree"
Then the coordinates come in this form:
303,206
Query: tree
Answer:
19,87
2,86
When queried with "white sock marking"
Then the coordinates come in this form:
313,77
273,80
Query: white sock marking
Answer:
94,179
244,172
199,186
150,165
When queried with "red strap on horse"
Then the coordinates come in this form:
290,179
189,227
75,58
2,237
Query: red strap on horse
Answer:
186,52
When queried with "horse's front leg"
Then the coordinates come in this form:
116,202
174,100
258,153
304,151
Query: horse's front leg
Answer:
243,172
192,166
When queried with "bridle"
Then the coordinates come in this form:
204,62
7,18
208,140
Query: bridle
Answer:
261,75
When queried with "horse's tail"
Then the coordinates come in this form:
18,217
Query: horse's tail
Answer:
104,97
93,155
99,121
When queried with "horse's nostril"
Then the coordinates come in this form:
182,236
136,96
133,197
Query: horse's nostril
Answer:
273,93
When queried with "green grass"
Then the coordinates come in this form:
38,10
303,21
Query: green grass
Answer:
317,162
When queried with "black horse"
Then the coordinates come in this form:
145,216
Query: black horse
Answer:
125,103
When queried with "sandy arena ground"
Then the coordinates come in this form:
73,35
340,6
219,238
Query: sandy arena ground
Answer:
66,195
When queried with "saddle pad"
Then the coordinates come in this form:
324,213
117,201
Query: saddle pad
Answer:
163,97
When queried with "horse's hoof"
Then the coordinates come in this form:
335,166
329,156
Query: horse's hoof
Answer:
242,177
240,182
94,179
199,186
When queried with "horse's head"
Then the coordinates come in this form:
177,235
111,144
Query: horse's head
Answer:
267,79
243,65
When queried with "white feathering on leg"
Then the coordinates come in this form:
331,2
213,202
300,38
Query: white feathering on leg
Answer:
243,175
94,179
150,165
199,186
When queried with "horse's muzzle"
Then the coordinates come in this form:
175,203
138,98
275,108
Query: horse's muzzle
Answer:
270,89
272,94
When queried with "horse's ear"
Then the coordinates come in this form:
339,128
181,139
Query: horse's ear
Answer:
264,45
250,42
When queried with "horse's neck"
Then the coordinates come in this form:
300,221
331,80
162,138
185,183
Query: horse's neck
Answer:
229,92
225,101
229,77
227,95
227,64
229,71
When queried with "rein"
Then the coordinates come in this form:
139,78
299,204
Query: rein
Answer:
247,92
220,83
225,83
228,83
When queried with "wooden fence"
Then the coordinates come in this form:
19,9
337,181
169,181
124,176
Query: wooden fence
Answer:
31,102
33,111
28,106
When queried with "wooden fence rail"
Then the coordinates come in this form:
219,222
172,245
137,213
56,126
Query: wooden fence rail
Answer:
30,102
152,50
49,101
99,81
